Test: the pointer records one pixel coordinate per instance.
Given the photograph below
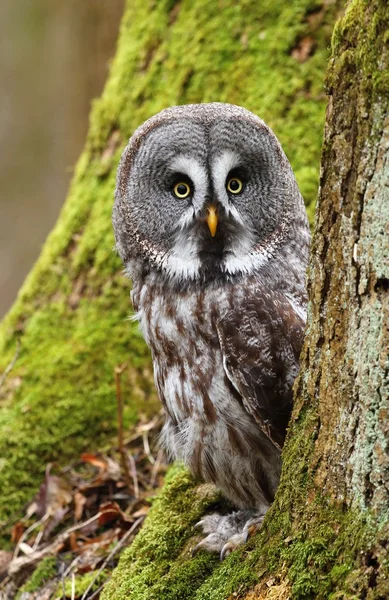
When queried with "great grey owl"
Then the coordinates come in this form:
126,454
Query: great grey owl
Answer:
212,229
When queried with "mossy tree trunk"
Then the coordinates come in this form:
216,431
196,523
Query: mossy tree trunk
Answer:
345,362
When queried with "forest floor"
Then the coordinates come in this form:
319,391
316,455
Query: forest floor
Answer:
69,537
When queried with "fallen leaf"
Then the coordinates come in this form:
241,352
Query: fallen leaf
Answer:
54,494
54,520
17,532
303,49
108,469
110,511
109,514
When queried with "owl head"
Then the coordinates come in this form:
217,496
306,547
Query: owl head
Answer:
204,191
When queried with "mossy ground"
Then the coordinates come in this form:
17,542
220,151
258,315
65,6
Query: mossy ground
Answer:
317,547
44,572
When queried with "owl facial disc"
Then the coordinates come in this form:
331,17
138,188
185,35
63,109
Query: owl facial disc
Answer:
203,192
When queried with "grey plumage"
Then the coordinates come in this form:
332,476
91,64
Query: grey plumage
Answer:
220,299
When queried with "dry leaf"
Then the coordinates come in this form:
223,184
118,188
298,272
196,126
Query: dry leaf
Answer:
102,494
54,494
108,468
17,532
110,511
303,49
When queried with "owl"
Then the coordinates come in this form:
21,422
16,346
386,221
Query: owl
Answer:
212,230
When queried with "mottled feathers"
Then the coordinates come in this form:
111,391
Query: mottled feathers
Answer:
212,229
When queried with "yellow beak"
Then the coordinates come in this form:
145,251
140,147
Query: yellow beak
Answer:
212,220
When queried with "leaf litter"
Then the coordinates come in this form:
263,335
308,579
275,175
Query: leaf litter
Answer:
83,515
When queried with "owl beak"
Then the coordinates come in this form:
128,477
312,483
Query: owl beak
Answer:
212,220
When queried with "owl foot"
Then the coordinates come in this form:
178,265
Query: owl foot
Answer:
225,533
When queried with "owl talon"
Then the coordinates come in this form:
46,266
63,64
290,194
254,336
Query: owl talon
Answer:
225,551
196,549
233,543
211,543
226,533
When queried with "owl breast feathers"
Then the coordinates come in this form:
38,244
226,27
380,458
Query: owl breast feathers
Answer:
212,229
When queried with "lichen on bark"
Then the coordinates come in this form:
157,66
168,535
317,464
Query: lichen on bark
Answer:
350,267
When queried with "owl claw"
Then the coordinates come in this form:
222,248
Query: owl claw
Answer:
226,533
225,551
233,543
210,544
195,550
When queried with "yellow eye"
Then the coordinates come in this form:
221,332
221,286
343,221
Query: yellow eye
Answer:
181,189
234,185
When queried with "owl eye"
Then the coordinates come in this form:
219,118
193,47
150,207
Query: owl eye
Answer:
234,185
181,189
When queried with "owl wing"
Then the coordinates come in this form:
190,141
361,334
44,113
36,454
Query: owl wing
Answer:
261,343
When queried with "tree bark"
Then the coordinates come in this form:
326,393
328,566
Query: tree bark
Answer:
345,362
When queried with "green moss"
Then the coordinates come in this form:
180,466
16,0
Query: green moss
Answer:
317,549
46,570
360,48
159,564
81,584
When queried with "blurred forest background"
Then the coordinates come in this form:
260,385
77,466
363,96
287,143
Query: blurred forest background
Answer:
54,59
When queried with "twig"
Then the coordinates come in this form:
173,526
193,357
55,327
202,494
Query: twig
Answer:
156,467
97,592
119,400
62,580
70,567
38,539
3,584
26,533
146,447
19,563
73,586
155,423
119,545
11,364
134,474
